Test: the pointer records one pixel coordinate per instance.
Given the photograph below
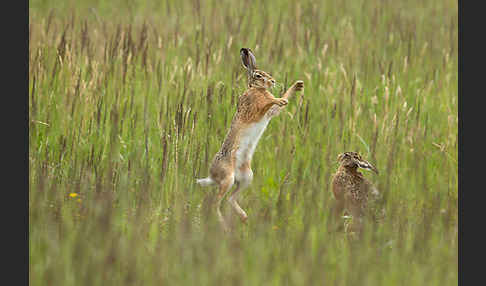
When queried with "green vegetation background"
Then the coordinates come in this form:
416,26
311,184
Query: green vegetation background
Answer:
130,100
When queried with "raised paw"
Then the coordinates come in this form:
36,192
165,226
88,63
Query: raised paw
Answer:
298,85
244,220
282,102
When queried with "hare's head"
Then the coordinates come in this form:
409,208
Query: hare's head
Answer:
354,160
256,78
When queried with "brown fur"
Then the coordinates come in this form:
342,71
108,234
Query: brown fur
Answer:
351,189
256,103
252,106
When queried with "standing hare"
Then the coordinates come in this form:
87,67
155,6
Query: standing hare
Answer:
351,189
231,165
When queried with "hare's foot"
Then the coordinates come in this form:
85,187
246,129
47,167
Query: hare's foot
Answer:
244,220
224,187
245,177
222,222
281,101
298,85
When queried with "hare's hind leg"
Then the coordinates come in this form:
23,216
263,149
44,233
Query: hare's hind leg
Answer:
224,186
243,177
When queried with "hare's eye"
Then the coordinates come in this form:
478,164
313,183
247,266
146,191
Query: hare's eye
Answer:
258,76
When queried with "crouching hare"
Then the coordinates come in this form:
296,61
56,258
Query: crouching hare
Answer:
232,164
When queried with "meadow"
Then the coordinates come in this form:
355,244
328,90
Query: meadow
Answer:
130,100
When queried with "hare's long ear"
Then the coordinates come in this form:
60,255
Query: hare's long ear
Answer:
248,60
366,165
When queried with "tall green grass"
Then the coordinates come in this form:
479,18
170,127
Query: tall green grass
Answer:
130,100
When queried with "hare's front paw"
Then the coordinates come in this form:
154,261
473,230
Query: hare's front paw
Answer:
298,85
282,102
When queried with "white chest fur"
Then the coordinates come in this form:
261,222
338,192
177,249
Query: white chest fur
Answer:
249,140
